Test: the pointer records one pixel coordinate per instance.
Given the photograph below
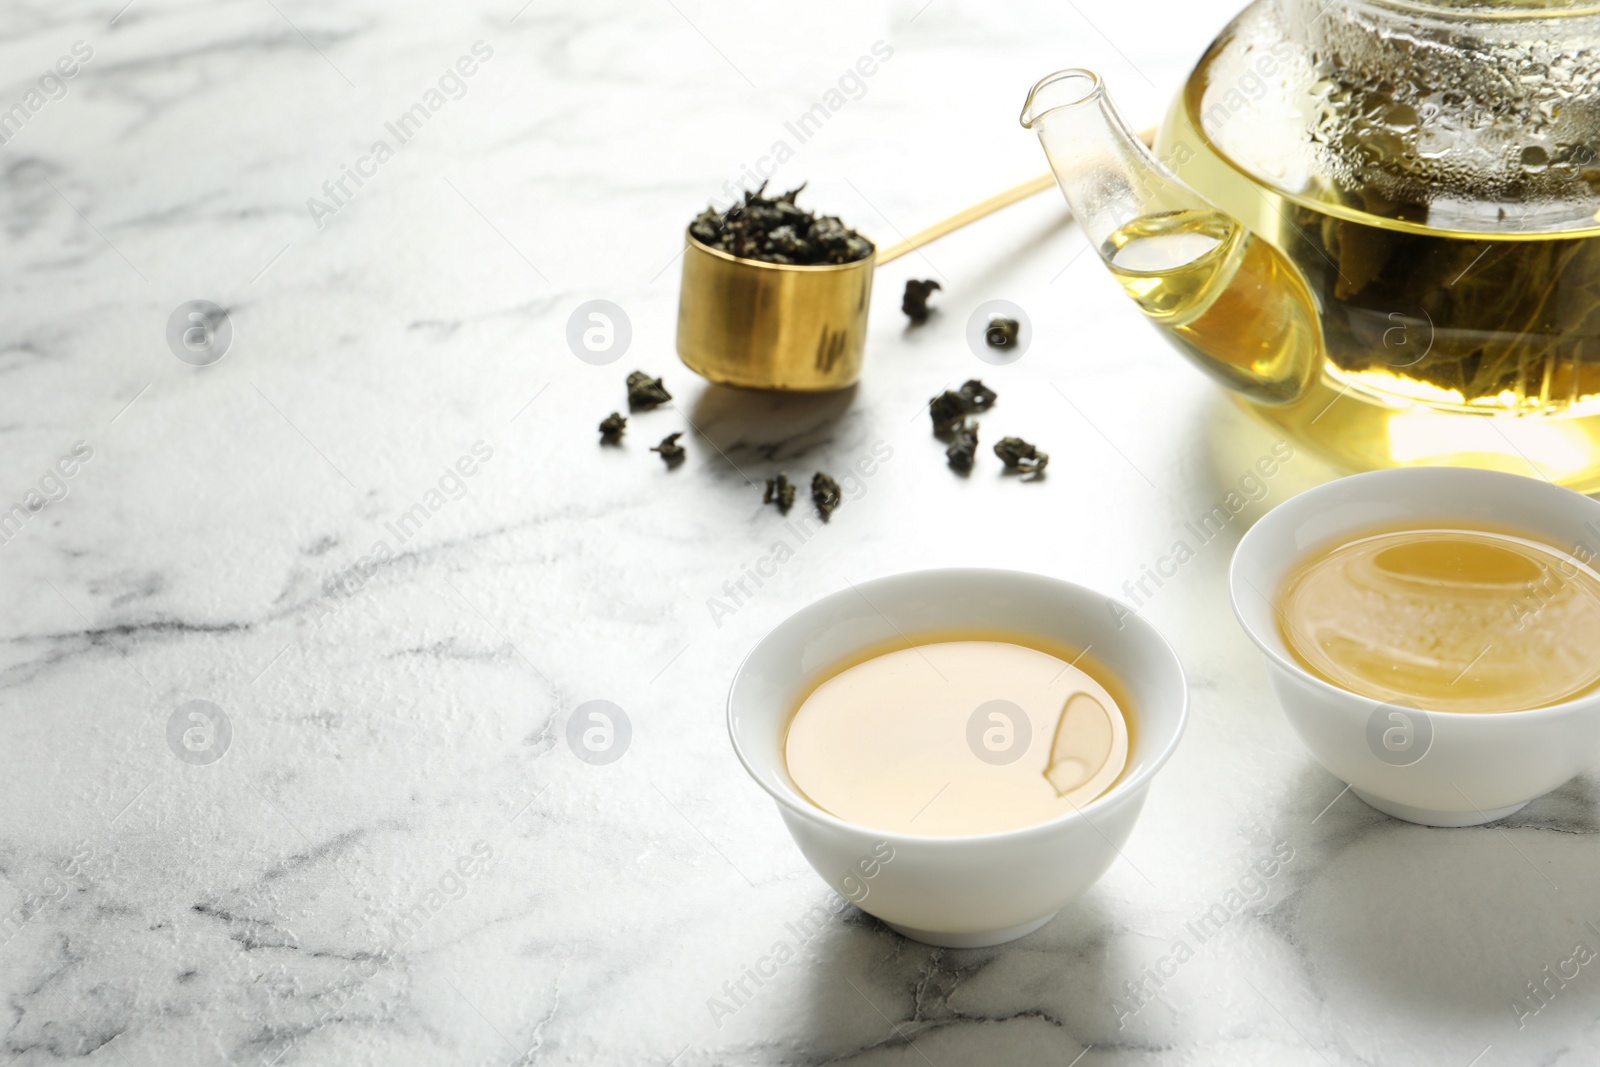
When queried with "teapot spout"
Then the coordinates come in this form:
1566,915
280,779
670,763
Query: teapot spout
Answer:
1224,297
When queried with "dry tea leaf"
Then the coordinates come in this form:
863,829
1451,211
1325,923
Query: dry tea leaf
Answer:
611,427
1001,332
645,391
779,492
1019,455
825,494
915,301
946,409
978,396
964,449
949,407
669,449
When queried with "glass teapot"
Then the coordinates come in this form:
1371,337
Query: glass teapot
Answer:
1376,220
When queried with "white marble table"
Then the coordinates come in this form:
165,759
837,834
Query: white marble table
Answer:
397,857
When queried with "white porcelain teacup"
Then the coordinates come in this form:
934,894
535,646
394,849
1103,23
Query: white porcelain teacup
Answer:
980,889
1435,768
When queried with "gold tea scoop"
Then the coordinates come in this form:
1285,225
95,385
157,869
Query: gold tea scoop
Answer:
795,327
789,326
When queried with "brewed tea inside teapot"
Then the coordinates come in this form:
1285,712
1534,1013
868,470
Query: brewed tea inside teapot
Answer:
1426,172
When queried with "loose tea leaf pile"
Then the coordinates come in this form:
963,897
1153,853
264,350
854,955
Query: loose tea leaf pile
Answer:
825,494
949,411
915,301
1019,455
949,407
645,391
779,492
779,231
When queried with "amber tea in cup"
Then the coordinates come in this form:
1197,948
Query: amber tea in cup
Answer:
1447,616
960,733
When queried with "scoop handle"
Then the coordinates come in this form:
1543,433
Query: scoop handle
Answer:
977,211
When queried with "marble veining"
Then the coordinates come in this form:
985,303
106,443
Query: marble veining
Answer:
377,843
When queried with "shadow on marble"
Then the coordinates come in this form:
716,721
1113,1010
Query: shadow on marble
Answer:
1447,922
1573,808
750,424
